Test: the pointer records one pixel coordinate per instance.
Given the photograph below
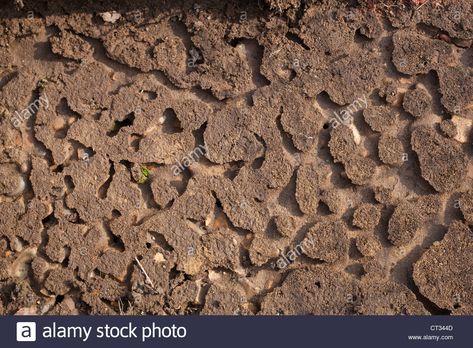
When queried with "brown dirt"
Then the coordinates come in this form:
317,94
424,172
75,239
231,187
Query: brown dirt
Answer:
234,157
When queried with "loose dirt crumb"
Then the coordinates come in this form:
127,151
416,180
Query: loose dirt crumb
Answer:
417,102
366,216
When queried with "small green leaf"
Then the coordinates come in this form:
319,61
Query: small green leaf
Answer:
144,175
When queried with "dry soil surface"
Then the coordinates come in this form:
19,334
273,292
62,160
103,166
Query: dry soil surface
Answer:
236,157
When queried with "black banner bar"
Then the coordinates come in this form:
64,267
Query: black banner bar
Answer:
216,331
